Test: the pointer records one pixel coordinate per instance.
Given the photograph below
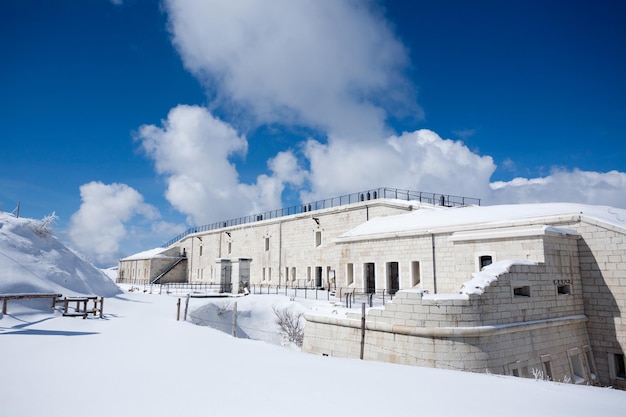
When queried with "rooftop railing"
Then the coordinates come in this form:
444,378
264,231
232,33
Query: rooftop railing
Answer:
447,200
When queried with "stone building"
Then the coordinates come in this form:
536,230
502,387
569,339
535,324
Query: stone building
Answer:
516,290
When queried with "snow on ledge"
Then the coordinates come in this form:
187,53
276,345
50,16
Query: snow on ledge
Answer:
489,274
147,254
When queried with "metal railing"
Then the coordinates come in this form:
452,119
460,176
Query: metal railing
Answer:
349,297
447,200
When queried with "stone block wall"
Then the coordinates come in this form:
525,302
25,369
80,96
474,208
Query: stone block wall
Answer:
497,331
286,249
603,271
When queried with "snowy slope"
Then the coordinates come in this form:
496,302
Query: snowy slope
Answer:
32,260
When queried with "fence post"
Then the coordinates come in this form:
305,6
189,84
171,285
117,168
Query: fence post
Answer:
362,329
177,310
186,306
234,331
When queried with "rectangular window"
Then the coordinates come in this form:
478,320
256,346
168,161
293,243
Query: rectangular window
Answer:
318,238
484,261
564,289
200,250
547,369
591,364
350,274
516,368
230,247
415,273
521,291
576,366
393,277
369,275
620,365
267,243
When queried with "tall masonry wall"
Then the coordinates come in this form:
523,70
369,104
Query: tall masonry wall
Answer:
603,271
455,258
295,249
530,318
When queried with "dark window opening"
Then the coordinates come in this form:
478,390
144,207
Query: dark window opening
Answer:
393,277
522,291
565,289
620,366
485,260
370,278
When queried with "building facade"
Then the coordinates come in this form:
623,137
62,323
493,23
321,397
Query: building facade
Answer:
526,290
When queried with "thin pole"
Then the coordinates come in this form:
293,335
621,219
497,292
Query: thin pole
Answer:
362,328
178,310
432,235
234,331
186,306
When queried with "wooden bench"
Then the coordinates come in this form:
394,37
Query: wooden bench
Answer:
6,297
97,307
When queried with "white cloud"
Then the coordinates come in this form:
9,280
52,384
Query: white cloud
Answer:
327,64
419,160
605,188
99,225
334,66
192,150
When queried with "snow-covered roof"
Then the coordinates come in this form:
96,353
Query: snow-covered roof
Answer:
427,220
147,254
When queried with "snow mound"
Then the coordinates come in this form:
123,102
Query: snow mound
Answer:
32,260
489,274
255,316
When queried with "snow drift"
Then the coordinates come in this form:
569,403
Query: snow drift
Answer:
32,260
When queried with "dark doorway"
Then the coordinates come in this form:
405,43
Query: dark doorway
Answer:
318,277
226,279
393,277
370,277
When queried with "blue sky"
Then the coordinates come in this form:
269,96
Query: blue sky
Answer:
135,119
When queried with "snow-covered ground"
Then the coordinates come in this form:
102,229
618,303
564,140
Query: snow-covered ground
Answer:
140,361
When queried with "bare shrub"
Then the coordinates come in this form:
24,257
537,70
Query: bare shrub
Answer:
44,226
291,324
539,375
224,309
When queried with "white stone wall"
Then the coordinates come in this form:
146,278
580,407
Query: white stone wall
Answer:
603,271
285,249
453,264
291,249
496,332
143,271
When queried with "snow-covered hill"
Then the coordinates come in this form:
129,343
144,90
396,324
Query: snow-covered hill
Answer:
32,260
